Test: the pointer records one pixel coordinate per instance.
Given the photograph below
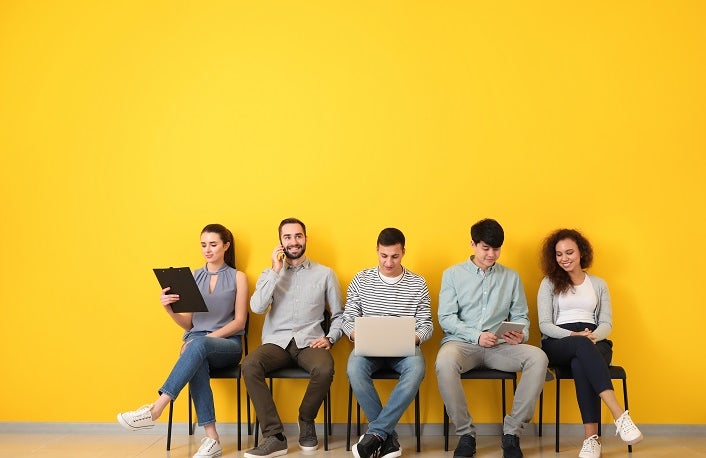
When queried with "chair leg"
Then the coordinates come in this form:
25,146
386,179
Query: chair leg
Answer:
237,382
348,427
247,408
326,419
625,400
191,424
169,426
556,432
446,430
504,401
541,411
417,423
357,419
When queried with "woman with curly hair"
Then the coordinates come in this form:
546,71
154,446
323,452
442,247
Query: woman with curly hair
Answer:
575,319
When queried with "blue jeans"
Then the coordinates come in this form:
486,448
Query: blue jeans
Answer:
193,365
382,420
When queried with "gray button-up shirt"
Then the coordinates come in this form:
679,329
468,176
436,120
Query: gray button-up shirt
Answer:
296,298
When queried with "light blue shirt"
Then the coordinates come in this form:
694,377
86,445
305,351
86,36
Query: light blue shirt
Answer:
472,301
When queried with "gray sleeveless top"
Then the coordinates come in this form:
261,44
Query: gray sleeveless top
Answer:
220,302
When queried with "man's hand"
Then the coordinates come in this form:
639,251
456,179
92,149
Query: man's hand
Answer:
487,339
514,337
321,342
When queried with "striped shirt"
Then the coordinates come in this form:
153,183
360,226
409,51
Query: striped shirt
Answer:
369,295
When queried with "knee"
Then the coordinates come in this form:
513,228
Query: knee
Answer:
251,367
538,358
446,364
322,372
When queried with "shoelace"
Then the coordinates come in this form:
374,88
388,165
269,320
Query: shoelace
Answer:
143,413
589,445
206,444
624,423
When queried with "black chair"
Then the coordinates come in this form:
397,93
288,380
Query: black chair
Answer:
383,374
482,374
547,378
231,372
564,373
299,373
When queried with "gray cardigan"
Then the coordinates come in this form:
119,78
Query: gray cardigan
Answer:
548,310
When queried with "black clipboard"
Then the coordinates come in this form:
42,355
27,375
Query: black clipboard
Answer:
181,281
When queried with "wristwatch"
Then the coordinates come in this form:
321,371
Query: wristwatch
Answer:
331,341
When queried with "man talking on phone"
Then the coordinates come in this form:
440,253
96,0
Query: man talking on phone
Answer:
476,296
294,293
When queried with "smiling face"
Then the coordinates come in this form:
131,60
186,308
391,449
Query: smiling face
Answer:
390,260
568,255
213,248
485,255
293,239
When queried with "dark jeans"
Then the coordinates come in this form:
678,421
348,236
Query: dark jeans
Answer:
589,366
268,357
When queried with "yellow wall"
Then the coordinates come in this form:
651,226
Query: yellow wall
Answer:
125,127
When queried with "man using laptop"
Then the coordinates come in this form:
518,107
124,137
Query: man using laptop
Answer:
386,290
293,293
476,296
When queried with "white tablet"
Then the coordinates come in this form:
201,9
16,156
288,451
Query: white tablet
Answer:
507,326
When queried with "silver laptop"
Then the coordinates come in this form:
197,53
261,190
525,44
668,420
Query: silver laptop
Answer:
384,336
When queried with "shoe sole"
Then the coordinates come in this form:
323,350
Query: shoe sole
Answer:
306,448
129,427
273,454
215,455
635,441
394,454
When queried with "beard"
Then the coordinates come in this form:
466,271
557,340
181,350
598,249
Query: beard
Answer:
289,255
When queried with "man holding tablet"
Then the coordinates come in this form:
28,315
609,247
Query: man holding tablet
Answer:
476,297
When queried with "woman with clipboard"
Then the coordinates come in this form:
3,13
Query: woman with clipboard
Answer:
212,339
575,318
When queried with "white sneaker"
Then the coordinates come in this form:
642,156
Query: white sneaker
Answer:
136,420
591,448
627,429
209,448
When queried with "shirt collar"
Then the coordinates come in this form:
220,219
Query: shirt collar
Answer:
474,268
304,265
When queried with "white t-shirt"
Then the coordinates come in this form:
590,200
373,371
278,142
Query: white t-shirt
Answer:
578,305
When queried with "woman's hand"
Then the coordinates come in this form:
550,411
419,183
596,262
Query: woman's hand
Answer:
168,299
585,333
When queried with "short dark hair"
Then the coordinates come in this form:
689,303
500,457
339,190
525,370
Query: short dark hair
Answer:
488,231
390,236
290,221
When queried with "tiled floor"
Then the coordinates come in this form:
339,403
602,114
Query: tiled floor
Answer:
124,444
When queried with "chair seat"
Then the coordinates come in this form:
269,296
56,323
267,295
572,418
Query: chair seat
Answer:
225,372
564,372
288,372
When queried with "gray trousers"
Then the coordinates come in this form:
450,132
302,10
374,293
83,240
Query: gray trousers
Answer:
455,357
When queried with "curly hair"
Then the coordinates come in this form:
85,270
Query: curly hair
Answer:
551,268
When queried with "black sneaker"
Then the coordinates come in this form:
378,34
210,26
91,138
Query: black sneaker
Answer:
390,447
466,447
511,446
367,447
307,436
